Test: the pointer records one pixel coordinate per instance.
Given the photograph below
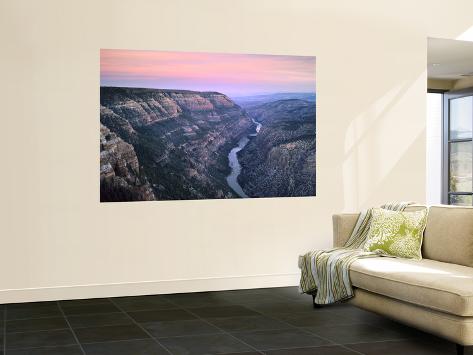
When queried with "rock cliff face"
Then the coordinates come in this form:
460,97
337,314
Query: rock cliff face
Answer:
280,160
119,170
180,141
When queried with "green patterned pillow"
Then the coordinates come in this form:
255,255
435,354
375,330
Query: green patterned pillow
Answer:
396,233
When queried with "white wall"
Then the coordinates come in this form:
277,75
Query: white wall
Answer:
58,241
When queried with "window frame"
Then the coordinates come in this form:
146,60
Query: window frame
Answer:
446,141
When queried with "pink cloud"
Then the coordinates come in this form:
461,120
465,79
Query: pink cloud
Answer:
273,72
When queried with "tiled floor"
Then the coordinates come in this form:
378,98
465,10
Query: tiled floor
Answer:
275,321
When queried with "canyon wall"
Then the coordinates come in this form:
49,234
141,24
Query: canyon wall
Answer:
181,140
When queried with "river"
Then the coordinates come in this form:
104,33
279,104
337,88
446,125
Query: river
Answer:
234,164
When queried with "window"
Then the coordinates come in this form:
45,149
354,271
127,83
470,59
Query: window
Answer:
458,148
434,148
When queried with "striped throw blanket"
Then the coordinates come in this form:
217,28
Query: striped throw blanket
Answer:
325,273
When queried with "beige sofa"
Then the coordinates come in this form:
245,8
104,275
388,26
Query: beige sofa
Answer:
434,294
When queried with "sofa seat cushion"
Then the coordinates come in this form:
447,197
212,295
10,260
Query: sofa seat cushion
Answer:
433,284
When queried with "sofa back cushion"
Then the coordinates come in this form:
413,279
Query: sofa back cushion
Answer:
448,236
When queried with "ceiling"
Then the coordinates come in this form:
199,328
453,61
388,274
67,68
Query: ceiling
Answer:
449,59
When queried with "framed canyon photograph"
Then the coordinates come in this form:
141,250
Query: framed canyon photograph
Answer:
192,125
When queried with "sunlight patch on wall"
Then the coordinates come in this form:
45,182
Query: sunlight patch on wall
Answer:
364,121
372,151
467,35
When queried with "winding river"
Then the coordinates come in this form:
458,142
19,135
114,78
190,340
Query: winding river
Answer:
234,164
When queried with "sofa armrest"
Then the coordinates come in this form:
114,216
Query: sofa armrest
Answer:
343,225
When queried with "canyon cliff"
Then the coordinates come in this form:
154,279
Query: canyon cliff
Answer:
280,160
120,178
167,144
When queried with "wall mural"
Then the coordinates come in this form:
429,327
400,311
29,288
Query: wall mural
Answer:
185,126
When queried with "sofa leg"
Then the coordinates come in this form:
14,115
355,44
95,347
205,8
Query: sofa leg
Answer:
460,349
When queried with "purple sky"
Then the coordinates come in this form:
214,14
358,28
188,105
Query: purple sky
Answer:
231,74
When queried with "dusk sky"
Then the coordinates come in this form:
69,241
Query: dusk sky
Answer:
231,74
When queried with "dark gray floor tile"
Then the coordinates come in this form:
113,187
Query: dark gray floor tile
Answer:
292,294
110,333
253,301
356,314
204,344
90,309
234,297
98,320
404,347
161,315
358,333
180,327
314,318
59,350
198,299
338,306
224,311
251,291
279,339
250,323
263,317
156,298
84,302
30,305
34,312
140,303
320,350
129,347
39,339
290,291
405,331
286,306
28,325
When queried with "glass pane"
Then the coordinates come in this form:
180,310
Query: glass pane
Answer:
461,162
461,117
434,148
461,200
